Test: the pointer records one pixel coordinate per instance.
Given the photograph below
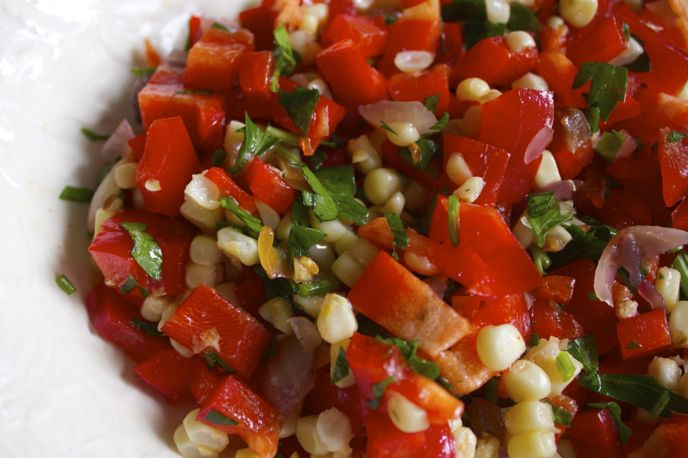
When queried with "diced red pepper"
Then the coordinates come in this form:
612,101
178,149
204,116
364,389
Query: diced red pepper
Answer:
228,187
594,434
112,315
111,251
659,110
168,373
549,320
599,41
168,160
386,441
679,217
643,334
257,422
667,441
492,60
510,122
393,297
350,77
560,72
482,312
325,395
137,145
362,31
484,160
392,158
267,184
164,96
195,31
462,367
213,62
452,33
203,381
207,322
255,72
420,86
260,20
673,161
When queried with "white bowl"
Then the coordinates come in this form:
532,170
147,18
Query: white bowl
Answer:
65,64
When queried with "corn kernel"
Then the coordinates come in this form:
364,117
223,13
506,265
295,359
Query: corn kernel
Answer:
152,185
499,346
465,442
666,371
457,169
380,184
632,51
197,274
284,227
333,429
333,229
362,150
487,447
548,172
530,81
529,416
471,121
204,251
363,251
125,175
497,11
395,204
678,324
242,247
668,285
310,304
402,133
413,61
268,215
348,380
523,232
470,190
307,435
321,86
182,350
556,239
472,89
246,453
202,434
322,254
152,307
345,242
203,192
578,13
277,311
526,381
304,269
347,269
336,320
420,264
406,416
188,449
532,445
519,41
234,136
305,44
201,217
491,95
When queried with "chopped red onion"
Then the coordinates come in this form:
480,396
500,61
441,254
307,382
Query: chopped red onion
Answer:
627,147
116,146
106,189
627,248
648,292
576,130
395,112
563,190
537,144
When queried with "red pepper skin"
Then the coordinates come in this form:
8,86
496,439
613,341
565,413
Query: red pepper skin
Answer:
325,395
418,87
679,217
258,424
266,184
667,441
111,315
167,372
393,297
549,320
599,41
111,251
195,31
137,145
510,122
350,77
484,160
482,312
255,72
206,321
559,72
594,435
673,162
169,158
392,158
228,187
213,62
366,35
163,97
250,292
492,60
462,366
660,110
386,441
260,20
203,381
643,334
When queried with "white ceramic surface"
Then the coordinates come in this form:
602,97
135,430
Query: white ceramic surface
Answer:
65,64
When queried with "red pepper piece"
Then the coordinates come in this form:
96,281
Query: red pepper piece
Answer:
673,162
112,315
482,312
386,441
207,322
111,251
393,297
679,217
363,31
599,41
257,422
168,373
492,60
643,334
420,86
168,160
267,184
229,187
255,72
203,381
594,435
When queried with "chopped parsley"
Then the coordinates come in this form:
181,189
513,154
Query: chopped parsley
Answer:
385,126
320,200
318,287
143,72
681,264
453,219
395,224
218,158
76,194
378,389
253,224
676,136
301,238
212,359
607,88
541,259
523,18
431,102
219,419
340,182
129,284
441,124
285,59
584,245
218,26
409,350
424,150
545,213
147,327
146,251
464,10
474,31
94,136
609,144
256,142
65,284
561,417
341,366
300,105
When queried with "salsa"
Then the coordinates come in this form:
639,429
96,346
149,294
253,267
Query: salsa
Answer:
418,228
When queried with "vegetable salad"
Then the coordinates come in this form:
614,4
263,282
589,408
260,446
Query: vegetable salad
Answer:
406,228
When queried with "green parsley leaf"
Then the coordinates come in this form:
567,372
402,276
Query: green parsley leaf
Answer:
561,417
322,202
426,147
441,124
212,359
256,142
65,284
676,136
217,418
626,31
544,213
395,224
146,251
615,410
592,115
660,404
218,26
632,344
681,264
76,194
253,224
143,72
584,245
301,238
431,102
300,105
147,327
534,339
378,389
565,366
609,144
341,366
474,31
318,287
540,259
94,136
453,219
523,18
284,137
129,284
316,161
464,10
341,184
583,349
218,158
285,60
409,350
607,88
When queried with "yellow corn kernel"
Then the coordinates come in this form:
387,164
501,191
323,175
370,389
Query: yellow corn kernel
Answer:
406,416
578,13
499,346
472,89
529,416
204,251
532,445
336,320
526,381
277,312
202,434
668,285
